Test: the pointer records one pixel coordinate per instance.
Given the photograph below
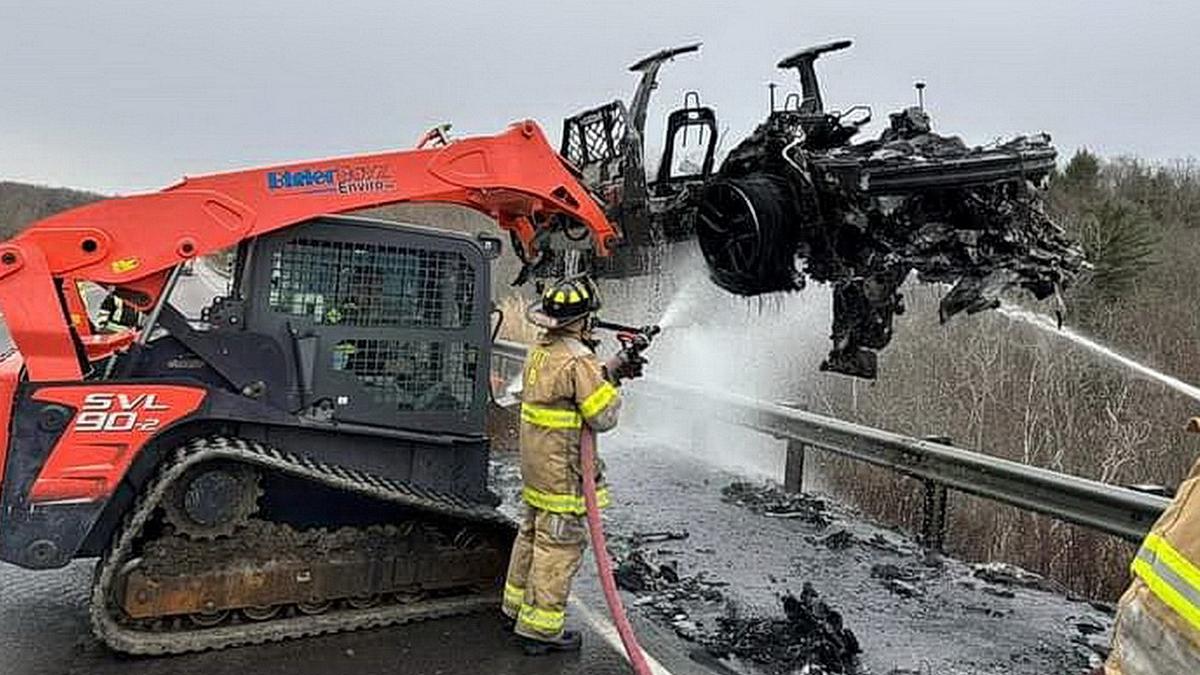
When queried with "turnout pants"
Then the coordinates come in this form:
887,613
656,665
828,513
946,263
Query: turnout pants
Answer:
545,558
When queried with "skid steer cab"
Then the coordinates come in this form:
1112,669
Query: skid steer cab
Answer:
361,342
305,452
340,386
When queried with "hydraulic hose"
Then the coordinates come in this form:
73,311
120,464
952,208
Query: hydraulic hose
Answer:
587,456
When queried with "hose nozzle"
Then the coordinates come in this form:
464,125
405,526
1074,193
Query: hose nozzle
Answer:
628,335
628,362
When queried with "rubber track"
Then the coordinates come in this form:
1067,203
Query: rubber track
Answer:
134,641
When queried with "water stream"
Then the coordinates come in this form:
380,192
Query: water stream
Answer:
1049,325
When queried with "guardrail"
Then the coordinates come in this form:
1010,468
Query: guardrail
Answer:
1100,506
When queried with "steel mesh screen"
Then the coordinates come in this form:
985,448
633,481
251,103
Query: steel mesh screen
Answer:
595,136
372,285
411,374
574,149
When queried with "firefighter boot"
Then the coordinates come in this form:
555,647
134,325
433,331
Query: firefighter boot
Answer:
567,641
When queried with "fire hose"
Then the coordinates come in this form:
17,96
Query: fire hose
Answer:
587,456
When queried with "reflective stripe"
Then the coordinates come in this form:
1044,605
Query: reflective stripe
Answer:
572,504
550,418
1170,576
513,596
542,620
600,399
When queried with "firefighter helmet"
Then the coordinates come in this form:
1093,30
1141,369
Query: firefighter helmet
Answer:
565,302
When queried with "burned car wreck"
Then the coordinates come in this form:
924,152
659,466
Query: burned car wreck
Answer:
797,200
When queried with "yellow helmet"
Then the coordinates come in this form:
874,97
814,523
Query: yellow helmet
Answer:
564,302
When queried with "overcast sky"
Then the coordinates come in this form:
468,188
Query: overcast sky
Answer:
128,96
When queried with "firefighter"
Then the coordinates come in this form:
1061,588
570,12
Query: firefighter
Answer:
1157,630
565,387
116,312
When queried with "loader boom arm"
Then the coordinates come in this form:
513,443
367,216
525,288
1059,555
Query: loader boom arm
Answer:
133,242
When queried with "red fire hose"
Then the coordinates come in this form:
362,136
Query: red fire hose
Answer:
587,456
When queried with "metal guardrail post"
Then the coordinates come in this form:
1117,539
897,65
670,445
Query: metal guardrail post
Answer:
933,517
793,468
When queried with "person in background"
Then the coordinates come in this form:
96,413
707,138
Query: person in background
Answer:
1157,629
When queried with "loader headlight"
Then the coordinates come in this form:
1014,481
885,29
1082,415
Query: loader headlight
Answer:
492,246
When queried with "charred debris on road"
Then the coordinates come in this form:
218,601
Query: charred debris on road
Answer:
809,634
775,502
806,633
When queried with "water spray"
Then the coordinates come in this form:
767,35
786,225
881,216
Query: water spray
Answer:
686,299
1049,325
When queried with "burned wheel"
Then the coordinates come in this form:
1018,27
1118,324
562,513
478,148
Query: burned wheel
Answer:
747,229
212,500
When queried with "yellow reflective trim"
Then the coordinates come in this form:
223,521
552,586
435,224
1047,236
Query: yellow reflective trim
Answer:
574,297
560,296
598,400
1166,592
550,418
568,504
1172,578
542,620
1179,564
513,595
583,291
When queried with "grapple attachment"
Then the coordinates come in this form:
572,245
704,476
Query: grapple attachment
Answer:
798,200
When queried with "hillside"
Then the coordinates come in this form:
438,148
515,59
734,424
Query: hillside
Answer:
21,204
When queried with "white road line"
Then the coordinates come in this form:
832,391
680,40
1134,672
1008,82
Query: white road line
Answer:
609,632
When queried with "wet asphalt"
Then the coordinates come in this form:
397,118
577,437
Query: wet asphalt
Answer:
43,631
956,623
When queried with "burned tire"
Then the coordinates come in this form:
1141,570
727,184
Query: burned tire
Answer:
747,228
